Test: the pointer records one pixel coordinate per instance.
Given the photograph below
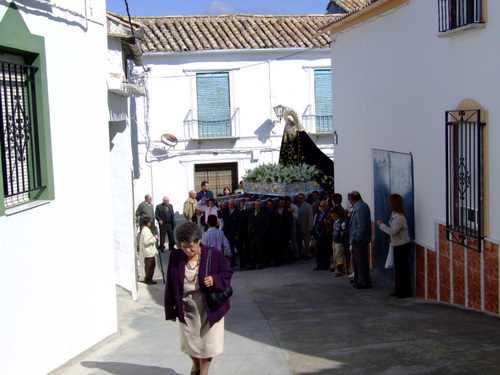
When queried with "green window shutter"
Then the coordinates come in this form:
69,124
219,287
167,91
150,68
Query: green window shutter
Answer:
214,108
323,100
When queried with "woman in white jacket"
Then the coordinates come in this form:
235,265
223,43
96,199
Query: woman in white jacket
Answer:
147,248
400,240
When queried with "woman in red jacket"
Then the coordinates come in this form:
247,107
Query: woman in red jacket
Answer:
201,330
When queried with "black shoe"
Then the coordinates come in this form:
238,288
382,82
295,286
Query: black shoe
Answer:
360,286
150,282
355,285
260,267
250,268
354,281
392,294
317,269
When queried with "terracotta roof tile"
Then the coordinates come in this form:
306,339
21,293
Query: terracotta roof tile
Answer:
199,33
352,5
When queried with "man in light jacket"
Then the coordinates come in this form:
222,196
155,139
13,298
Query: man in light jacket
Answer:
189,209
305,223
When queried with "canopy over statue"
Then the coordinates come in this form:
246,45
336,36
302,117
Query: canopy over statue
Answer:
297,147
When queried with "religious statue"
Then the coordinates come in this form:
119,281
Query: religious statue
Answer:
297,147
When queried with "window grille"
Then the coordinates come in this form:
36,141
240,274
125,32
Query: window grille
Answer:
218,175
323,100
21,170
464,178
214,108
453,14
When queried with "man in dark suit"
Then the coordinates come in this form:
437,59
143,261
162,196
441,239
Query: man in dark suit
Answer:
285,223
360,235
271,245
231,227
257,229
323,238
164,214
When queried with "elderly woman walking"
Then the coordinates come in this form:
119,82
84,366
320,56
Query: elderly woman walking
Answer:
201,330
400,240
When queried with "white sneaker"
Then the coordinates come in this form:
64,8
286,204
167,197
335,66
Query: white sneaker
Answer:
351,275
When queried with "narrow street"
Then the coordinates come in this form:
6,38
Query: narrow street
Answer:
292,320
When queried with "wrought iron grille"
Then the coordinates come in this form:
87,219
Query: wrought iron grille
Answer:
324,124
19,146
457,13
464,178
214,128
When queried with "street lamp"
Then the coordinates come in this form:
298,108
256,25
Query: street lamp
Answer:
279,110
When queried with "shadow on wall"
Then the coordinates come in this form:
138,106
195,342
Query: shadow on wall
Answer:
264,131
123,368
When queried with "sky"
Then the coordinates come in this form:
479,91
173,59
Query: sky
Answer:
211,7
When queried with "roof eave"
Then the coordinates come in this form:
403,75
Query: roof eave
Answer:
362,14
231,51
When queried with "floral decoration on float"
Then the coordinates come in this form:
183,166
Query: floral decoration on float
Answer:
279,179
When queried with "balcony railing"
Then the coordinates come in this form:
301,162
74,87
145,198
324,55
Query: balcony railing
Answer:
317,123
454,14
217,128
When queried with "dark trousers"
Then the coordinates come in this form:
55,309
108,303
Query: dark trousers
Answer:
360,252
284,247
243,247
166,229
402,270
232,260
323,252
149,268
256,251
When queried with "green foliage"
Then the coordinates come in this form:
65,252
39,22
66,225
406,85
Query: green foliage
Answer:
282,173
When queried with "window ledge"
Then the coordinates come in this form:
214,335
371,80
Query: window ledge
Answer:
461,29
116,86
24,207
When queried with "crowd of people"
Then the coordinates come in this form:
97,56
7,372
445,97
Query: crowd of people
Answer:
251,232
256,231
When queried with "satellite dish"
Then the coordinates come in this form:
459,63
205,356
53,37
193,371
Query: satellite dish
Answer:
169,139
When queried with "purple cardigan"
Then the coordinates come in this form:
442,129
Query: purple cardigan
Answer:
220,271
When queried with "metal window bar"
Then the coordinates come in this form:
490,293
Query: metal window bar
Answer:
324,123
20,153
214,128
464,178
457,13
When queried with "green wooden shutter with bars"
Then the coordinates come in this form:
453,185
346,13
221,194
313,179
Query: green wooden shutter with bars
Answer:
323,100
214,108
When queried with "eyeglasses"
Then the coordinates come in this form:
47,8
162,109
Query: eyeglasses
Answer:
189,246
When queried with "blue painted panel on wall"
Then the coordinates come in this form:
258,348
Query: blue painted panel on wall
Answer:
392,174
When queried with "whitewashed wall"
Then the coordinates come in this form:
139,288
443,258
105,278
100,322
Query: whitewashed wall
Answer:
393,80
122,194
56,261
255,90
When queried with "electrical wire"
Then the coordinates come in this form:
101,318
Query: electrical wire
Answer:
129,18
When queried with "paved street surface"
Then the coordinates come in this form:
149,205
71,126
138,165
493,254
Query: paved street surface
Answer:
293,320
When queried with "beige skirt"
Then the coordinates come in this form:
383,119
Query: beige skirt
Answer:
198,339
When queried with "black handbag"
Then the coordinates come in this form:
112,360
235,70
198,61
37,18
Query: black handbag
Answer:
216,299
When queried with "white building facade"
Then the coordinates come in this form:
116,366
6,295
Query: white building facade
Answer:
416,93
56,243
216,96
